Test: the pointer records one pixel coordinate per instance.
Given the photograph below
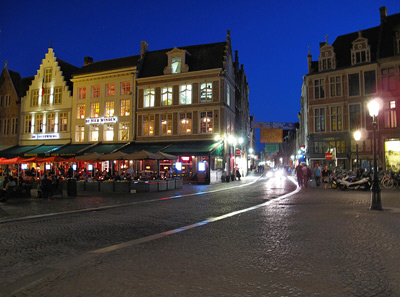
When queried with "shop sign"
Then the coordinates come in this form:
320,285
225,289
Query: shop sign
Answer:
46,136
103,120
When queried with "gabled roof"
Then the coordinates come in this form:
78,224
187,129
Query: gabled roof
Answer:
119,63
380,39
24,85
198,57
67,70
343,45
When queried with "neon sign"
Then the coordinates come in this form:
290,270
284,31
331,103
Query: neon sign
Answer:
103,120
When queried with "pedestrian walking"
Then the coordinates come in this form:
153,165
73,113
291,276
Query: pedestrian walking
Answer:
299,174
317,174
325,176
306,175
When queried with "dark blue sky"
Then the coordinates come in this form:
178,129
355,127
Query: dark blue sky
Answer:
272,36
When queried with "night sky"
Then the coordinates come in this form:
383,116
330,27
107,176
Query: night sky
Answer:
272,36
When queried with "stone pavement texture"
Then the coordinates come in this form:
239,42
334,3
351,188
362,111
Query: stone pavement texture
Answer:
318,242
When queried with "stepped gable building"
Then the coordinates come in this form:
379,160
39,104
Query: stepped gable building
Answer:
46,109
12,88
356,68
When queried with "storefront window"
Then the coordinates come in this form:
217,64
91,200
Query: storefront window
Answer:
392,155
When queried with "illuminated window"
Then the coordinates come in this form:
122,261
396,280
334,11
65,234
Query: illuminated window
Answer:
185,123
39,123
14,126
82,93
125,87
47,75
46,97
110,89
148,125
166,96
63,122
185,94
35,98
95,91
108,132
80,133
166,124
94,133
28,124
176,63
206,92
390,114
319,88
149,96
109,109
319,119
206,122
50,123
57,95
124,131
336,118
125,107
80,114
335,83
95,110
228,95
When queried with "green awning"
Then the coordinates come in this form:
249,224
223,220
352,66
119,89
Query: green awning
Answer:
150,147
42,151
104,148
71,150
196,148
16,151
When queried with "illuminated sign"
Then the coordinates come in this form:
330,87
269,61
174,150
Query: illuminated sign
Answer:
202,166
46,136
185,158
178,166
101,120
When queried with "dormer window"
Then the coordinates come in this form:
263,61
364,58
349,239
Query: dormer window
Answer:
326,57
360,53
176,62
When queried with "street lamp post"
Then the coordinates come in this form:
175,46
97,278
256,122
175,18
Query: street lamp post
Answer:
376,203
357,137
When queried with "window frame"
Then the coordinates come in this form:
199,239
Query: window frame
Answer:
185,123
320,87
149,96
166,96
206,125
335,87
319,119
185,94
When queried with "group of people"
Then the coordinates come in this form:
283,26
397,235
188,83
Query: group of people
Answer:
304,174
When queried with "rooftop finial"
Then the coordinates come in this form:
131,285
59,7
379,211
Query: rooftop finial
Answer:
5,64
326,38
51,43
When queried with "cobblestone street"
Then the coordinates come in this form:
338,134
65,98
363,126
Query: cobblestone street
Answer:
315,243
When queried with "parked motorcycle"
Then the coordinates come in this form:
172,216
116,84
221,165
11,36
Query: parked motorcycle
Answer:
349,182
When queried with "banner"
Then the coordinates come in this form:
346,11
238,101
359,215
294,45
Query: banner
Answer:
273,125
272,147
271,135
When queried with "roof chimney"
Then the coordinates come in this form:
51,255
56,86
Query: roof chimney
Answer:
383,11
144,46
87,61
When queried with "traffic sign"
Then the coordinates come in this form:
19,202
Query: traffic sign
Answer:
238,152
328,156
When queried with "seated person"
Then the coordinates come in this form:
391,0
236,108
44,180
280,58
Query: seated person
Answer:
44,187
9,183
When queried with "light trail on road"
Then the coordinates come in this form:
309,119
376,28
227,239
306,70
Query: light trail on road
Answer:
195,225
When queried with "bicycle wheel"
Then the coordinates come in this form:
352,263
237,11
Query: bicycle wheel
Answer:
388,183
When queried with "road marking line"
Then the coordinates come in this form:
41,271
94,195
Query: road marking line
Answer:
188,227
